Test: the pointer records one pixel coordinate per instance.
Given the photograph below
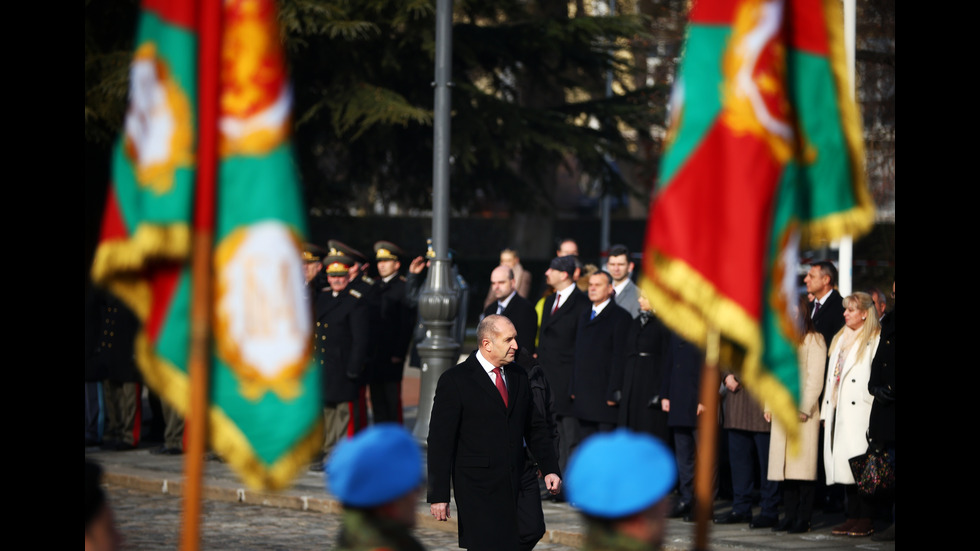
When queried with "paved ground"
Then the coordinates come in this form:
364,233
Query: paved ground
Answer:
146,493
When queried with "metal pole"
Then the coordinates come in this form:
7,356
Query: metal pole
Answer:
845,253
606,201
439,300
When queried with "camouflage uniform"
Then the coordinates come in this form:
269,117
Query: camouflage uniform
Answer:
601,538
361,531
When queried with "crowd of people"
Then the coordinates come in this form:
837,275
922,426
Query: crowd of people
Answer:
560,378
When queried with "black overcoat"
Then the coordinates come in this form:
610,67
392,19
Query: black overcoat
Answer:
646,345
881,426
830,318
556,345
600,357
681,383
341,343
478,444
393,329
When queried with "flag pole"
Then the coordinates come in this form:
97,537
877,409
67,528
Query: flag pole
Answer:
199,361
704,473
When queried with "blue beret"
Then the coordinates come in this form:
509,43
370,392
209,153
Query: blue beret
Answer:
377,465
615,474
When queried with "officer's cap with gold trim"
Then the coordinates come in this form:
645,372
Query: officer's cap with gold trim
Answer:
338,264
386,250
338,247
313,253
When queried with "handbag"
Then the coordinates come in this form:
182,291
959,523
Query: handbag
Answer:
874,472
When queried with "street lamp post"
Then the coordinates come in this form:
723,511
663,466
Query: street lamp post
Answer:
438,301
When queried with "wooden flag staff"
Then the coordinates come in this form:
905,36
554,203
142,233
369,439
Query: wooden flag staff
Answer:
704,466
209,76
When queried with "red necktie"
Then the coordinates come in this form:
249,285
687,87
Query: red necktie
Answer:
557,299
500,384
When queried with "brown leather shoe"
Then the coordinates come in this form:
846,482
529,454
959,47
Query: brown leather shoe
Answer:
844,529
862,528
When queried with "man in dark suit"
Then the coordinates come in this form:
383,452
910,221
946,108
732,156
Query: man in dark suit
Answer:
396,320
600,355
827,312
341,343
508,303
881,425
560,316
482,415
680,394
827,308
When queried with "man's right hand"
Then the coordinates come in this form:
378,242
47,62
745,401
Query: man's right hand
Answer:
440,511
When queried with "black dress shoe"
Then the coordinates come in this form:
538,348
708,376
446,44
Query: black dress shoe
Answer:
799,527
680,509
784,525
118,446
763,521
733,518
163,450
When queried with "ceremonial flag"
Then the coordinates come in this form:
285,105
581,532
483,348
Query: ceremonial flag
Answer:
764,155
265,408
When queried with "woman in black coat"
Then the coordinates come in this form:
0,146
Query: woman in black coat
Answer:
646,344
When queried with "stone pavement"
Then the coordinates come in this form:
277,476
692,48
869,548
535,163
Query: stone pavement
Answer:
146,489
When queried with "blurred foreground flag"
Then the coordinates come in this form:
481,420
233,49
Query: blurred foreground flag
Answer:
264,413
764,155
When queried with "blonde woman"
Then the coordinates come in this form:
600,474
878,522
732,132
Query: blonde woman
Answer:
798,473
846,408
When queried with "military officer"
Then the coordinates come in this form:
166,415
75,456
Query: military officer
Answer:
341,331
114,361
316,278
393,332
368,288
622,501
358,269
377,476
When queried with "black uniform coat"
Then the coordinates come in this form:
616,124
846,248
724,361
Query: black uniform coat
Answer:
646,346
830,318
396,321
600,356
521,313
341,332
370,298
110,337
556,344
479,444
881,426
682,382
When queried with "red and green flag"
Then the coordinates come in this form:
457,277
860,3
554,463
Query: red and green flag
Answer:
264,410
764,155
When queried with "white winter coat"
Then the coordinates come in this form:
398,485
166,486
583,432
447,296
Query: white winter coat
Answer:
845,422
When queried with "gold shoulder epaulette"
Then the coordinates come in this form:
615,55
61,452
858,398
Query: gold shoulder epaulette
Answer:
401,277
356,293
367,280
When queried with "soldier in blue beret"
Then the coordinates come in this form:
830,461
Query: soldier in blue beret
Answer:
377,476
618,480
